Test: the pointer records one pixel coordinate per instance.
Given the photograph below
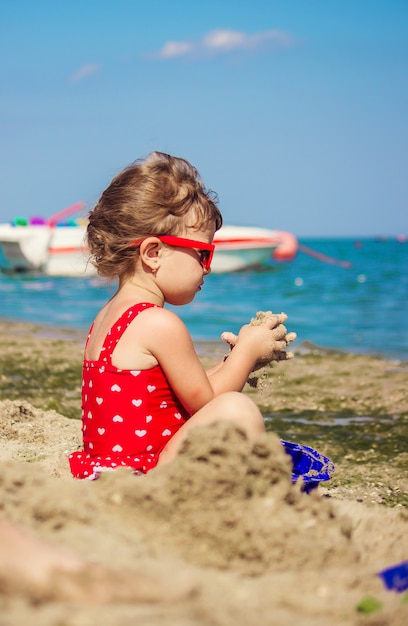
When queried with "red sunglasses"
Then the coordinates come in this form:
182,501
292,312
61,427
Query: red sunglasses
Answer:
205,250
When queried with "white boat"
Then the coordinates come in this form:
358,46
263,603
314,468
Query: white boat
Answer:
239,248
54,248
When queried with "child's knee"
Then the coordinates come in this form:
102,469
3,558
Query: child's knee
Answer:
242,410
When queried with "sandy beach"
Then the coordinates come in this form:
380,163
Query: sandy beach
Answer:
220,537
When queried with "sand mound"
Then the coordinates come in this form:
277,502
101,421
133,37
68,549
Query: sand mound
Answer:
36,436
229,503
224,515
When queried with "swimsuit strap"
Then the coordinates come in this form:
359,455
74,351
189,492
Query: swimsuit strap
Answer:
89,336
119,327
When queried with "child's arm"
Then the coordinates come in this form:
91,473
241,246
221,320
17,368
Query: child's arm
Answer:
171,344
169,341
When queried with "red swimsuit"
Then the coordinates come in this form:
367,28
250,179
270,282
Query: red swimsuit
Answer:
128,416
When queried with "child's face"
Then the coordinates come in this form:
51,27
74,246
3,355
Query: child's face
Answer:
182,270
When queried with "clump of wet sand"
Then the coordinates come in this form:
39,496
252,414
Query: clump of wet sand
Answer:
259,379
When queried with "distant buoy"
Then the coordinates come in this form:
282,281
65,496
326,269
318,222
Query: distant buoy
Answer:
287,248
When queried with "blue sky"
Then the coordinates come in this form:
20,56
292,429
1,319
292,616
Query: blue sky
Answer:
294,111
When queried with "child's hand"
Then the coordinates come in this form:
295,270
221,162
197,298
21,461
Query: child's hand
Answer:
271,341
229,338
262,340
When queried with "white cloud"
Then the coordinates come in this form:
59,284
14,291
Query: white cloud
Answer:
175,49
85,71
222,41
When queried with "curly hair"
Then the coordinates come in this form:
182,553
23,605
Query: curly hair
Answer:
159,195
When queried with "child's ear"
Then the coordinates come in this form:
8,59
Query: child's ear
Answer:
150,252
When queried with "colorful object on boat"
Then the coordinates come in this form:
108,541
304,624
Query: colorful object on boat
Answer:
395,578
20,221
309,465
37,220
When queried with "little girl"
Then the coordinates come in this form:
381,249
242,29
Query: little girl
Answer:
144,386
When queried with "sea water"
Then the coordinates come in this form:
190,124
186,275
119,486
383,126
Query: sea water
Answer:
346,294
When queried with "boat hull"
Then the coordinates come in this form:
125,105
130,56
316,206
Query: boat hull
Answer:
50,251
61,250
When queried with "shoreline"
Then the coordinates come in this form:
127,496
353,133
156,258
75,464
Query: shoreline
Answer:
206,348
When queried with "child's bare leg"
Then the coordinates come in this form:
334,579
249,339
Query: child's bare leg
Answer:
231,406
42,572
28,558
